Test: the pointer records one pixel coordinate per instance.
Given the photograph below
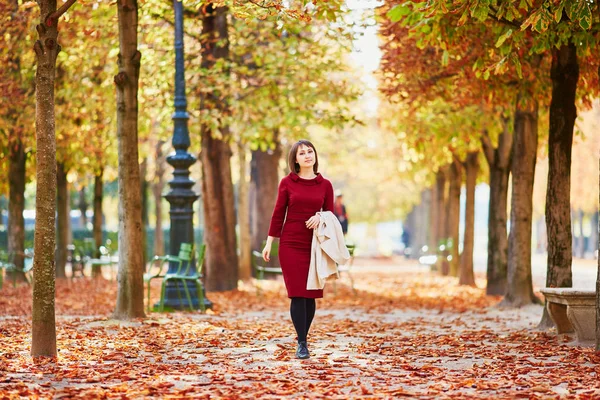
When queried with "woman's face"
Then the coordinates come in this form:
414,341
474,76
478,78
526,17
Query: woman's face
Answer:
305,157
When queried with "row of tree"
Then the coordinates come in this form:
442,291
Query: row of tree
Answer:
248,87
479,75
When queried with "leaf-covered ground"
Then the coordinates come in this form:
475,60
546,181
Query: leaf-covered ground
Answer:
407,332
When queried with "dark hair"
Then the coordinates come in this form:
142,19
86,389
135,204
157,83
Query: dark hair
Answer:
294,167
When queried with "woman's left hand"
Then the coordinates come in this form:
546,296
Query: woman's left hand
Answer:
313,222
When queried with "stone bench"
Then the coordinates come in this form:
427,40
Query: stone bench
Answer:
572,310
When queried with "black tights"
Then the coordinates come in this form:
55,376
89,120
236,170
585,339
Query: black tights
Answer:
303,312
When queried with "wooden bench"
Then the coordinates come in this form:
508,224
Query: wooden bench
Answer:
572,310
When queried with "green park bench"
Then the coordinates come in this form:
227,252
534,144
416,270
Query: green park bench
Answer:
7,264
105,259
345,269
261,267
182,275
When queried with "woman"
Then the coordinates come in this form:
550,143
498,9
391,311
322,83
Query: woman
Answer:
302,194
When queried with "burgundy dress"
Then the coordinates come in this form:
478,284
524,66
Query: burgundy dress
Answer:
301,198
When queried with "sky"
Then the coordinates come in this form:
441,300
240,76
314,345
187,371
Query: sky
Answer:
366,54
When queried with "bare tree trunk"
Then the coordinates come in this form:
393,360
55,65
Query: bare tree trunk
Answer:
265,180
499,160
563,112
244,217
83,208
83,205
97,222
130,295
409,226
441,234
16,206
43,327
433,220
421,224
144,196
519,288
2,206
157,189
62,238
453,215
467,276
217,187
17,159
426,209
564,73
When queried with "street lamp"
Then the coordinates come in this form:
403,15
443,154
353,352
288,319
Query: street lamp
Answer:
181,197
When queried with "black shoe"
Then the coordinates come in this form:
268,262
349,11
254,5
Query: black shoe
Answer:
302,351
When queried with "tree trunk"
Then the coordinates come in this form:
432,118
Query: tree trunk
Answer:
441,236
519,286
130,295
453,215
564,73
62,227
43,328
433,220
217,187
83,205
499,160
2,206
157,189
144,196
17,159
265,181
426,224
422,224
16,206
97,222
409,225
244,217
467,276
563,112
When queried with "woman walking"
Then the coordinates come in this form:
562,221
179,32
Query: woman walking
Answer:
301,195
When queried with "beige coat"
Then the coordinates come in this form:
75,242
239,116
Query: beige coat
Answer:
328,249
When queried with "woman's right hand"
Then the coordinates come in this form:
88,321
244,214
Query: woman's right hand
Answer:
266,253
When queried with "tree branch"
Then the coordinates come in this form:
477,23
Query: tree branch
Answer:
503,20
52,19
267,7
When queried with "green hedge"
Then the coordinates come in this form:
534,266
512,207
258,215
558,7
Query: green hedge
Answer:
79,235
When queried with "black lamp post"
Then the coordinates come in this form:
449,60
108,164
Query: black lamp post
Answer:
181,197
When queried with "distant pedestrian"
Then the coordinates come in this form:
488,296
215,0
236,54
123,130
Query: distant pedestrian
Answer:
339,209
302,195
